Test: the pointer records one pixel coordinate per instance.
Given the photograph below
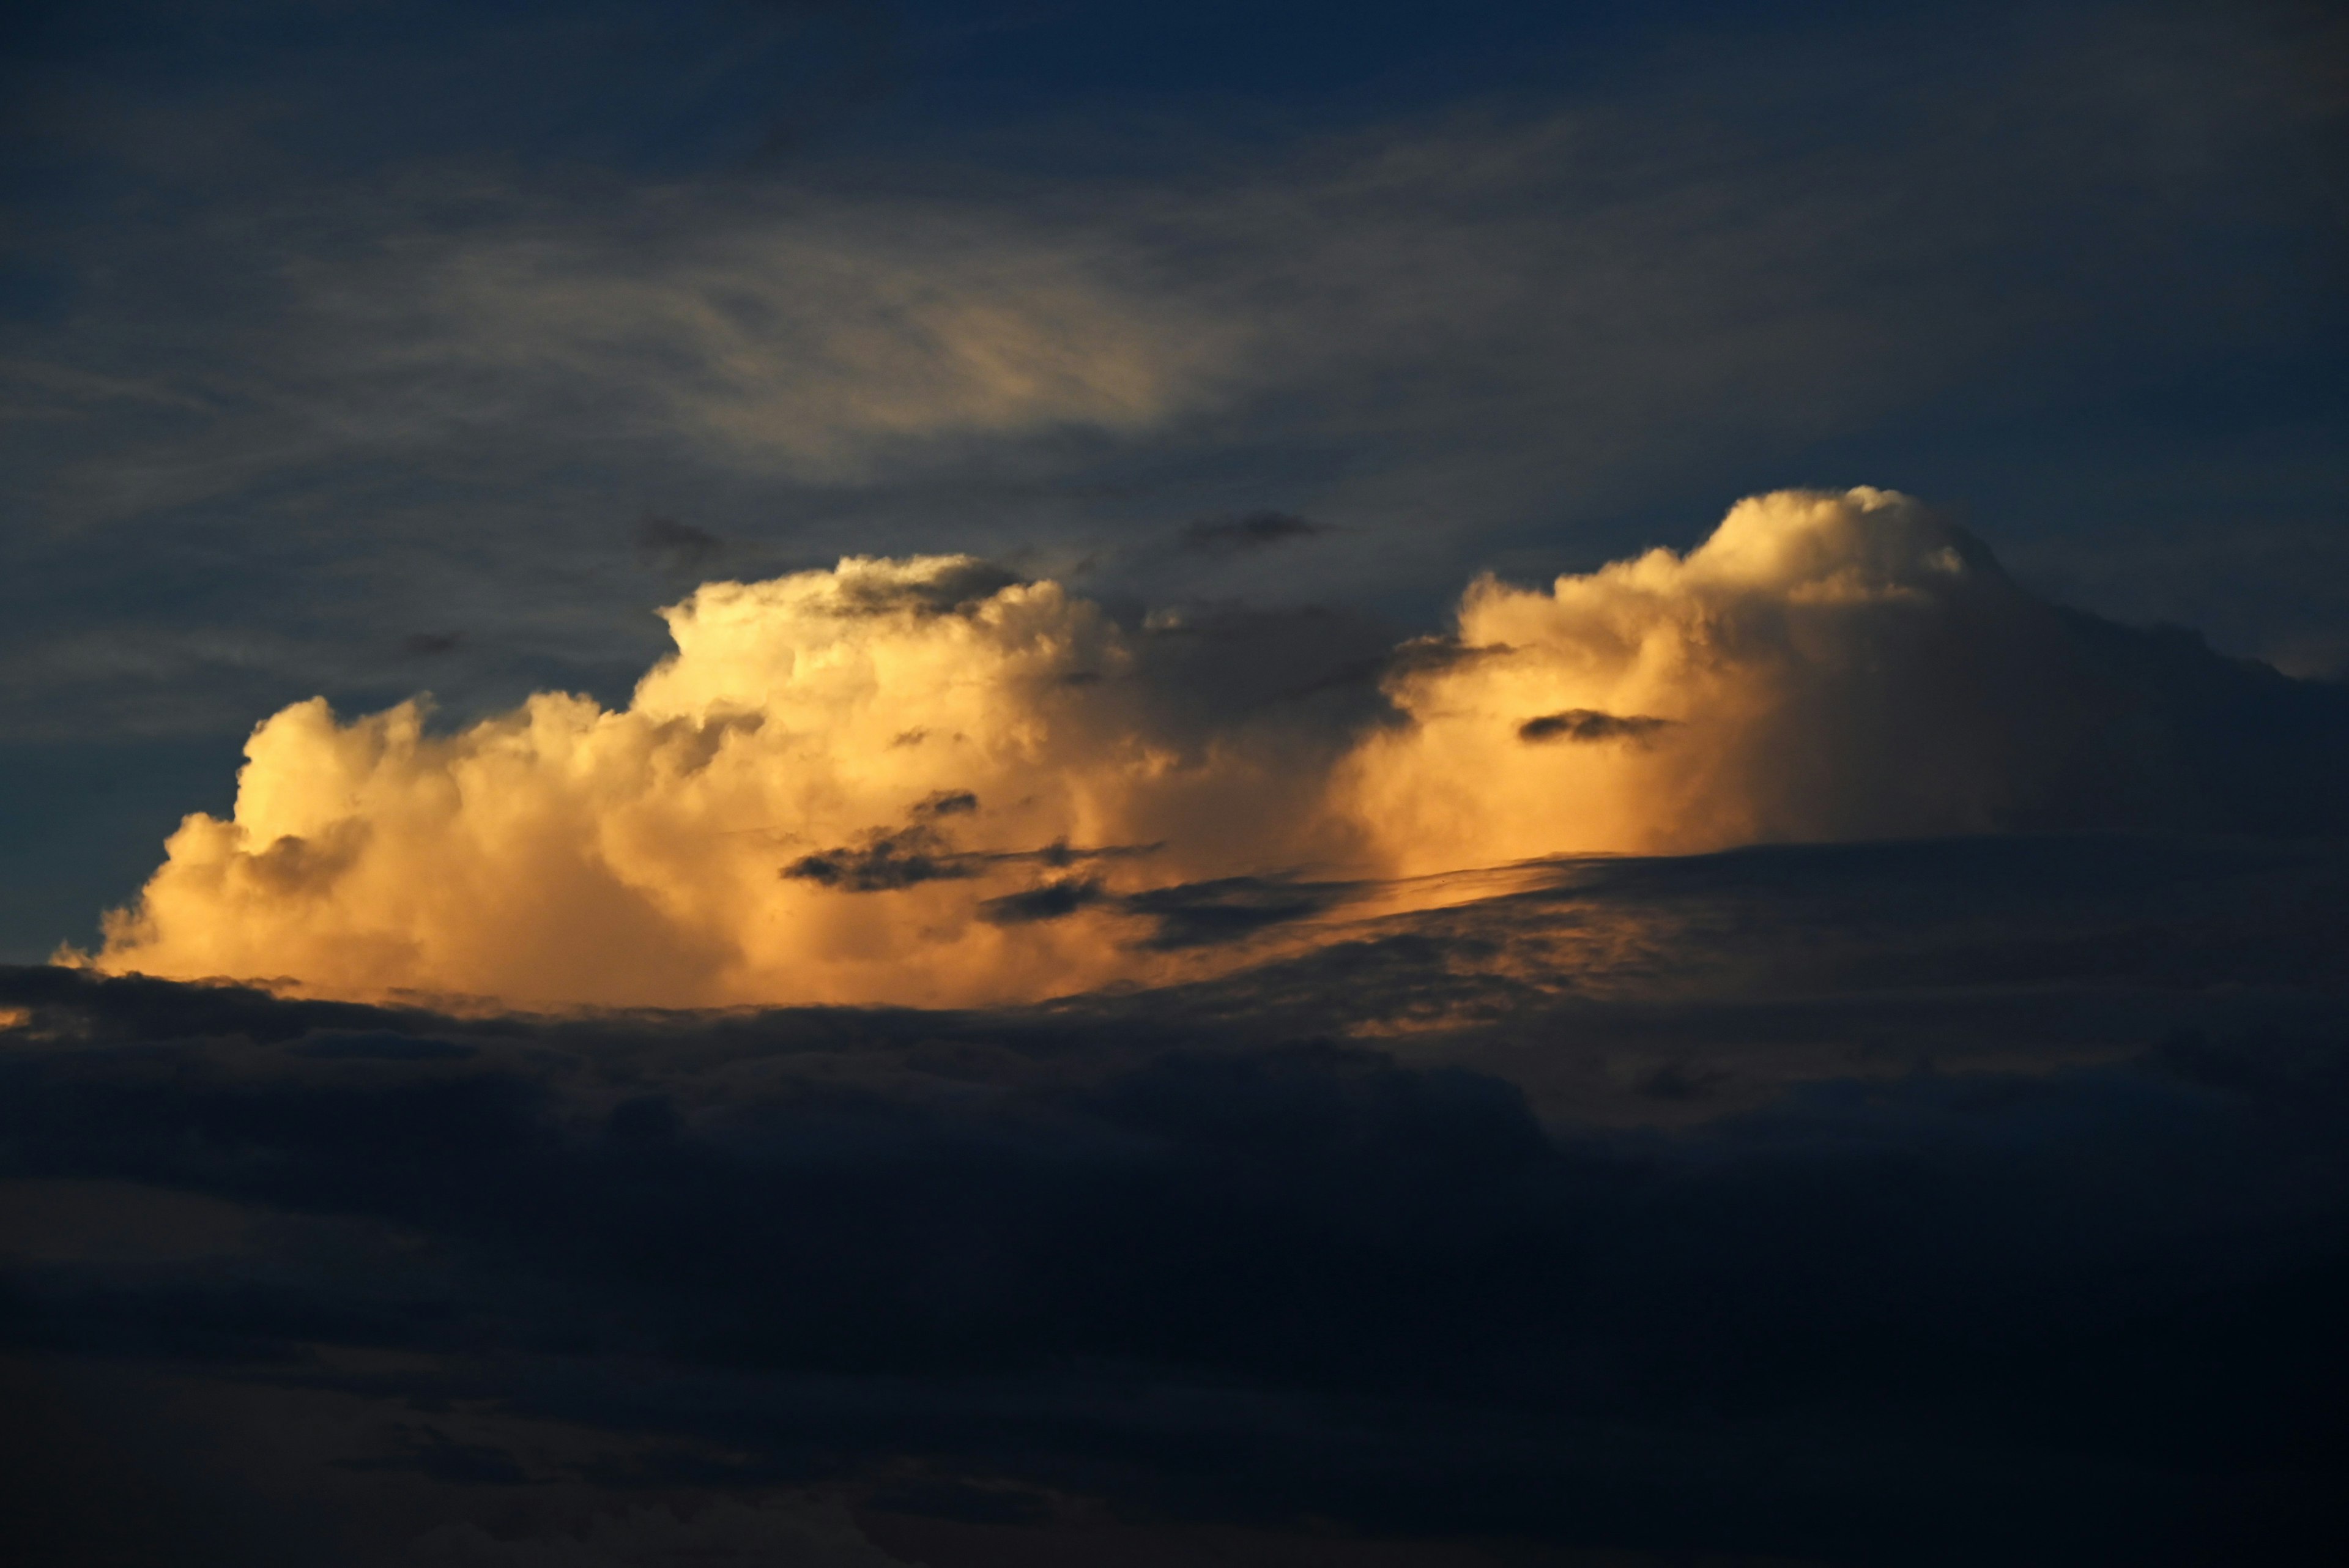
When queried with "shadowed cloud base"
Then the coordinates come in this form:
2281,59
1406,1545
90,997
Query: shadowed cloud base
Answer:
1939,1202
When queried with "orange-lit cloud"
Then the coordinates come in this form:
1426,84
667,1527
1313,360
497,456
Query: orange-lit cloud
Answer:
817,798
925,782
1822,667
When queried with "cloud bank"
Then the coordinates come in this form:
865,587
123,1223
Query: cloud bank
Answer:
929,781
1977,1201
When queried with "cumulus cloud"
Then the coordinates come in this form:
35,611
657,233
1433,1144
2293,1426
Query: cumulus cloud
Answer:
1824,667
912,730
928,780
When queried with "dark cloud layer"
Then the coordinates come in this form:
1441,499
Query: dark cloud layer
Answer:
1937,1203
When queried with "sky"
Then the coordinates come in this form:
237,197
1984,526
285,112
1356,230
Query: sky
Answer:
358,350
942,782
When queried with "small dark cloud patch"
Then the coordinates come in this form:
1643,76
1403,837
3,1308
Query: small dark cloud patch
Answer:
1588,725
953,590
886,859
430,644
885,862
1428,655
1248,532
673,546
1051,901
1228,910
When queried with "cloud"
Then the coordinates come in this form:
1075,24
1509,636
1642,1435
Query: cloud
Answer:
416,385
823,795
1825,666
885,862
1255,531
1917,1153
774,345
1588,724
674,545
787,1532
1051,901
813,739
1202,914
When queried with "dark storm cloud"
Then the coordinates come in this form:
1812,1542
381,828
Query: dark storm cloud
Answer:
1981,1207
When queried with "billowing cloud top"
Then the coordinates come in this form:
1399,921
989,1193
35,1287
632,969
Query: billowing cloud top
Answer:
926,781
